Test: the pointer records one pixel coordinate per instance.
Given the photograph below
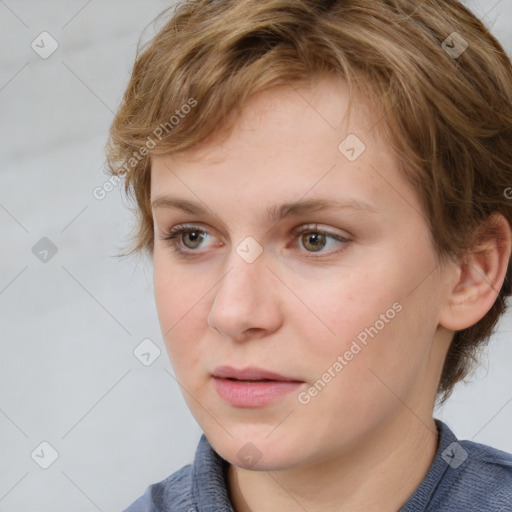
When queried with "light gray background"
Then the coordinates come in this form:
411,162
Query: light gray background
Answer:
68,375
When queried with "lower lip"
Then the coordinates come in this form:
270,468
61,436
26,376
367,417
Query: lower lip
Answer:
253,394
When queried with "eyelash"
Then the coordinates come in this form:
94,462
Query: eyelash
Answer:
172,235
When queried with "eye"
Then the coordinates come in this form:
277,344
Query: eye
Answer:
181,233
314,239
191,237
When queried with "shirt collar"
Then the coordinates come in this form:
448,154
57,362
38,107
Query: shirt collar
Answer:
209,487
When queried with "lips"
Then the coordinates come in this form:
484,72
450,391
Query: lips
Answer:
252,387
251,374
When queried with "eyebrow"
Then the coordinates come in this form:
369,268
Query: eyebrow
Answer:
274,212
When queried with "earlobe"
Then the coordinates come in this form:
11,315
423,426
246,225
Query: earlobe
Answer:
480,276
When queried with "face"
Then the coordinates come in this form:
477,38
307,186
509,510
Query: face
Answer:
342,299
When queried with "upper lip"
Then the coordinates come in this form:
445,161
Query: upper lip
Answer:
249,373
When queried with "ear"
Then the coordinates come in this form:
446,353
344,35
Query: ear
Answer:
480,276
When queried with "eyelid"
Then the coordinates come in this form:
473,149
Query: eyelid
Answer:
315,227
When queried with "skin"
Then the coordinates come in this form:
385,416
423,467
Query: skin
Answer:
294,310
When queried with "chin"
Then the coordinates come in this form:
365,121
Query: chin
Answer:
256,450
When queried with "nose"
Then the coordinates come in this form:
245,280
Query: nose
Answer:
246,303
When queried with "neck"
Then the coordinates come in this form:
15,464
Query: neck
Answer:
379,474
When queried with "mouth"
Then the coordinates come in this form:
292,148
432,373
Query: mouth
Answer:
252,387
251,374
251,381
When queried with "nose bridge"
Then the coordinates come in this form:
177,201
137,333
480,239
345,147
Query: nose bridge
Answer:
247,262
245,275
242,294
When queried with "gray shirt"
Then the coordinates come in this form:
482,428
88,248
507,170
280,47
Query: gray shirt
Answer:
465,476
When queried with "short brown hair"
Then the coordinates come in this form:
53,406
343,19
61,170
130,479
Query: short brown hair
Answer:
447,109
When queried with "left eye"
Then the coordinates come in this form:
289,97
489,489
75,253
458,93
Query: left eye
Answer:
315,239
312,238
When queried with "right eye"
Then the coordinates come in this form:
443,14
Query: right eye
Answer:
178,235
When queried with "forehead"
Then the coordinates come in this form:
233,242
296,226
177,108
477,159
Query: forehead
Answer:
303,108
290,141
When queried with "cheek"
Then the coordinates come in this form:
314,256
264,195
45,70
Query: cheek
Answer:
347,307
372,321
176,292
372,378
180,304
